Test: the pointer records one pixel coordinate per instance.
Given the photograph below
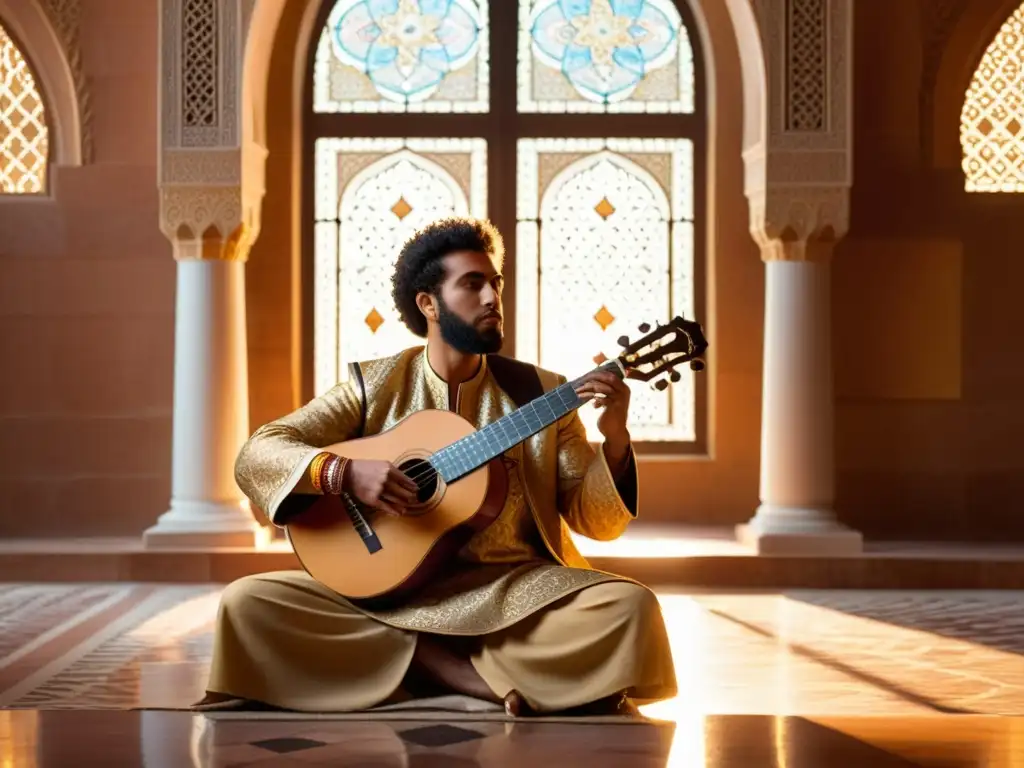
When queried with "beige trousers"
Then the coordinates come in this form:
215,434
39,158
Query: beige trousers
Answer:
284,639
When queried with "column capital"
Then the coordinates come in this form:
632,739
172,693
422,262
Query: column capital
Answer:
799,223
206,222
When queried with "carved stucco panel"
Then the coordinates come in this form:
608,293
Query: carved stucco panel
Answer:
66,17
202,166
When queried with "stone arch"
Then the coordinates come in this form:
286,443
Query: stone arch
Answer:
753,71
41,44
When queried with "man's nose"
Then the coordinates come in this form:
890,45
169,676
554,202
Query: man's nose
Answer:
489,296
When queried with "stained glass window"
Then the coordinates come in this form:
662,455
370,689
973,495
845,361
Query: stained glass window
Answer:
604,56
371,196
24,137
605,242
403,56
992,120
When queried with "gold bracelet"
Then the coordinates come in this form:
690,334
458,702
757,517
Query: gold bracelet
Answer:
314,469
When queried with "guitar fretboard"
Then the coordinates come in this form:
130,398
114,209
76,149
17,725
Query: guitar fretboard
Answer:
462,457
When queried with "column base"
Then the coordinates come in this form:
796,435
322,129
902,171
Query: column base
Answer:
201,524
799,532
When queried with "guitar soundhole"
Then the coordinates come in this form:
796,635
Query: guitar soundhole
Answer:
424,475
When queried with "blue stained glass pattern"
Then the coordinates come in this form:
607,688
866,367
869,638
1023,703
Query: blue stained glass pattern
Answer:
405,47
605,48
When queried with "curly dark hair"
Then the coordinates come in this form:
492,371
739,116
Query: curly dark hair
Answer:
419,266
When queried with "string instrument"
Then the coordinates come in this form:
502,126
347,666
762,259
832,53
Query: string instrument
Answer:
461,479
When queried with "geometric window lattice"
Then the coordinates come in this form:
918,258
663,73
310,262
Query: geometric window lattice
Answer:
372,195
199,49
806,67
403,56
24,139
992,119
605,242
604,56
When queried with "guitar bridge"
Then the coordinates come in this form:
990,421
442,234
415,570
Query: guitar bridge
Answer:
361,524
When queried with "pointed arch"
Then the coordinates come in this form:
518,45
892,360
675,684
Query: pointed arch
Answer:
992,116
658,195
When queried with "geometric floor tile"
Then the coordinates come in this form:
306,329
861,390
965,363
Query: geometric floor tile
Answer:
439,735
284,746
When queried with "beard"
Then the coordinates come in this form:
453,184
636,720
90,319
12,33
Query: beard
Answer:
466,337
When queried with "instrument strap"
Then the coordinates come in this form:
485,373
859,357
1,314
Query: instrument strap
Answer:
519,380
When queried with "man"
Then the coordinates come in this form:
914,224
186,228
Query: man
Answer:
518,617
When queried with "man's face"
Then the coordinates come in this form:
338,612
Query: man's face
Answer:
470,303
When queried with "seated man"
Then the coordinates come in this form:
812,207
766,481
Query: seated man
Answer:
518,617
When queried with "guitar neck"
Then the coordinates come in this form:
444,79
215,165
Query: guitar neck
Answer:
473,451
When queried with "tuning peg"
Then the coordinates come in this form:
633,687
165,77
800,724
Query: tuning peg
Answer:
675,376
645,327
661,385
600,358
623,341
696,365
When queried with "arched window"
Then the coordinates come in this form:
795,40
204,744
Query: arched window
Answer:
581,136
992,120
24,139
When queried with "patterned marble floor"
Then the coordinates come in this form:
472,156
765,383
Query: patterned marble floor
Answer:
804,678
116,646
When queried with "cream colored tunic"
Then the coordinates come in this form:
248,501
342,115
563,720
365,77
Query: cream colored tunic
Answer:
521,563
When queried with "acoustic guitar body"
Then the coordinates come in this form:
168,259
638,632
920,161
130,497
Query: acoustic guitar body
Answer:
412,547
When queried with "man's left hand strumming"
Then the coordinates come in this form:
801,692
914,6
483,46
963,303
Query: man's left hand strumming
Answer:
611,395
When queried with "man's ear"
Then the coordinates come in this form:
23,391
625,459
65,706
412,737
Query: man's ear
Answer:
427,305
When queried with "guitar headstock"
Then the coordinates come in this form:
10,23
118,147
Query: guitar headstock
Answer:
662,349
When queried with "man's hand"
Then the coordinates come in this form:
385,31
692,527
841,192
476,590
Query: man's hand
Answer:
380,485
611,394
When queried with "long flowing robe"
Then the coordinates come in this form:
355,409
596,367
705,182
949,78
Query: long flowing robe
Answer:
522,562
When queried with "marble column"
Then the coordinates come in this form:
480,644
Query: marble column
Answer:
796,515
211,397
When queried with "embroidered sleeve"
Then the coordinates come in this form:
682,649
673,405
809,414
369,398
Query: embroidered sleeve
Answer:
276,456
589,498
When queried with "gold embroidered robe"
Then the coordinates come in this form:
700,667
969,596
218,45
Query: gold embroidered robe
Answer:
523,561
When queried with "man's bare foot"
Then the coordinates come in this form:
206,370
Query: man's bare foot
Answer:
451,668
616,704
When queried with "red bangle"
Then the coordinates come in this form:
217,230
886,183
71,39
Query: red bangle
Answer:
332,475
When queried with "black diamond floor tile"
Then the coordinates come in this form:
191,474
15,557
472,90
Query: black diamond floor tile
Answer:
289,744
438,760
439,735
